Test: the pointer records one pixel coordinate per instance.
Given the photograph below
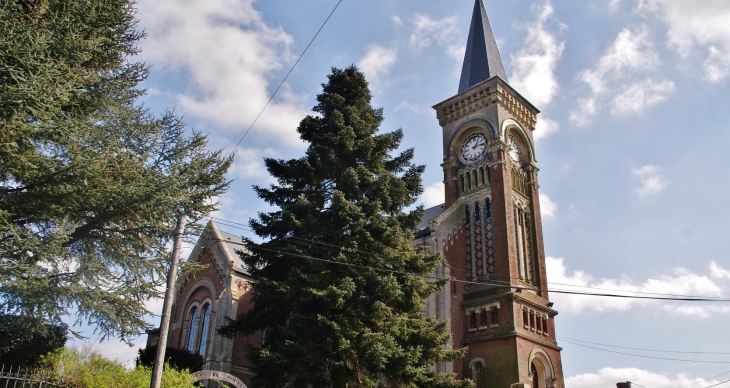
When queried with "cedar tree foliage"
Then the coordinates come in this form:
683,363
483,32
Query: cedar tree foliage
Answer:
356,319
90,181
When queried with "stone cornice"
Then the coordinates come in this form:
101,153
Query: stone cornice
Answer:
536,302
492,91
467,341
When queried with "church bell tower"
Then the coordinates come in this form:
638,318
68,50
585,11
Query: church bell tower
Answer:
490,229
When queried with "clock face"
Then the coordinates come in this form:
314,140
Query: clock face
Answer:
473,147
514,151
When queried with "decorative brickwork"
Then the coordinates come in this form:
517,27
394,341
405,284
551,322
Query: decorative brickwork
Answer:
478,246
467,245
489,239
528,248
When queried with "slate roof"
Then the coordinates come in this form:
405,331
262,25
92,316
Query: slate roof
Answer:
232,243
481,60
429,214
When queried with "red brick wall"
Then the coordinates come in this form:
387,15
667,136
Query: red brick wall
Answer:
537,217
504,236
525,347
238,354
179,312
451,185
500,361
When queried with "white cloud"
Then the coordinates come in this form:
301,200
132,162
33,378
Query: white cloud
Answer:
443,32
717,65
652,182
433,194
412,107
651,185
548,208
614,5
249,163
587,108
718,272
396,20
233,209
232,60
629,52
679,282
640,96
377,62
620,76
645,170
544,128
534,64
702,30
608,377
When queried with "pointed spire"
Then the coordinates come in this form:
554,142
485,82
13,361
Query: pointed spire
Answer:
481,60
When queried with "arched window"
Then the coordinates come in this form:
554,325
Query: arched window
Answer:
478,374
193,329
481,175
205,316
461,180
474,175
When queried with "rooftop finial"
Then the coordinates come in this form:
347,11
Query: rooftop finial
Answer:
481,60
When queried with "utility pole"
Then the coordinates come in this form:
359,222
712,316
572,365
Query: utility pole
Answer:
167,305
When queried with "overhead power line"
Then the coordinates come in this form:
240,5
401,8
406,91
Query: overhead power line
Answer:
644,349
706,380
715,385
669,297
287,76
568,340
636,292
485,282
645,356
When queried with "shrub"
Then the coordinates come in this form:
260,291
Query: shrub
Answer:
179,359
95,371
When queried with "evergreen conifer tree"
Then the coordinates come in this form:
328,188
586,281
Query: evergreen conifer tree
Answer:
340,291
90,181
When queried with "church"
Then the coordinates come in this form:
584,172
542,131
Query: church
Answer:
489,231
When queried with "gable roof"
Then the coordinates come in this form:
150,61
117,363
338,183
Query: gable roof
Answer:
429,214
231,243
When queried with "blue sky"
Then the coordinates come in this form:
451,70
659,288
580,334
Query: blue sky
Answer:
631,141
